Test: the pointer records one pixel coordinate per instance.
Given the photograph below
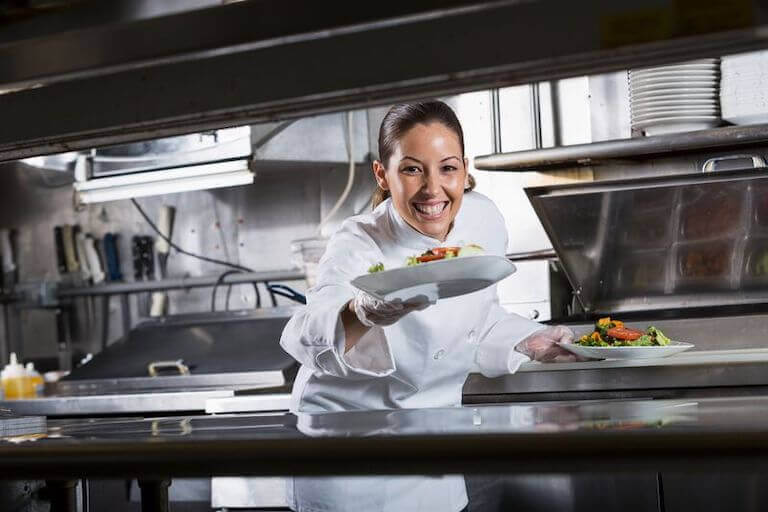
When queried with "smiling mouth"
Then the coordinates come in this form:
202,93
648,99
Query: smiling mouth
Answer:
431,210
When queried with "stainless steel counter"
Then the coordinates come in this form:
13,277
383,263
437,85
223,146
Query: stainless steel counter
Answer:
117,404
608,436
689,374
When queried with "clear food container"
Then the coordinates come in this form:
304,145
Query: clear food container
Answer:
643,273
648,230
760,206
755,268
653,199
705,266
710,213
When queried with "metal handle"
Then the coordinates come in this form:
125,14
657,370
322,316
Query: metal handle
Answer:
154,366
729,163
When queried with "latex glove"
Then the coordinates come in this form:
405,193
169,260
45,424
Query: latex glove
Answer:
372,311
542,345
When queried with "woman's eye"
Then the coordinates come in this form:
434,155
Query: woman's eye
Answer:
411,170
449,168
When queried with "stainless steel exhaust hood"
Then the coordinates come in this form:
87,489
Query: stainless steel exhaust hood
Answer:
661,242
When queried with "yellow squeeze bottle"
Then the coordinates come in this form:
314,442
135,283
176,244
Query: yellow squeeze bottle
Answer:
14,380
34,381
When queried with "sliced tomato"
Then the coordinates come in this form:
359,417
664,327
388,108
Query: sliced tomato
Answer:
624,333
429,257
442,251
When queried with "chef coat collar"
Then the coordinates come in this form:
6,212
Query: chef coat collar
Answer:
405,234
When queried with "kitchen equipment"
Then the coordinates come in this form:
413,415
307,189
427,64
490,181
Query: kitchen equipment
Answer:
163,248
112,257
675,98
70,254
61,259
661,243
306,254
243,345
8,264
437,279
94,262
143,267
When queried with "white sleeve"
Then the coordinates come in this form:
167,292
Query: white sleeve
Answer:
502,331
314,336
496,354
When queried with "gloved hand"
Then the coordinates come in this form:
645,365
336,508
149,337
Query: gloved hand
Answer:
542,345
372,311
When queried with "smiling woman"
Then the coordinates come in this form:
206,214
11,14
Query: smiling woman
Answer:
360,352
422,166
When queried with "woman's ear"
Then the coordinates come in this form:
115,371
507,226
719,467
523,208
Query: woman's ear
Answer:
380,173
466,173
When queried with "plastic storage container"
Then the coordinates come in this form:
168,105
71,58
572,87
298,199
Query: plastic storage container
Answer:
706,266
760,208
306,255
643,273
708,215
755,268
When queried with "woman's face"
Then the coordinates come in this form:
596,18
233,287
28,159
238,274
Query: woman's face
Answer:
426,177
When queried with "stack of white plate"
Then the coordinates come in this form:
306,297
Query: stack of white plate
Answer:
677,98
743,94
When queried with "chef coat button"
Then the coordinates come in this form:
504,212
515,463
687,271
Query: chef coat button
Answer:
439,354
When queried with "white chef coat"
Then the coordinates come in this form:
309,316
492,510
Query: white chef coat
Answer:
420,361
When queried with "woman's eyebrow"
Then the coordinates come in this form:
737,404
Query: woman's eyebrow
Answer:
406,157
450,157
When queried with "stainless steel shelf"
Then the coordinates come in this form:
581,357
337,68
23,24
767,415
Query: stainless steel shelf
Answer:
180,283
640,147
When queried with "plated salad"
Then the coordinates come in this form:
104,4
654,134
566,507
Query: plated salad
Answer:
436,254
613,333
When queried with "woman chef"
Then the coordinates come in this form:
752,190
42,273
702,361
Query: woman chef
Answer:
358,352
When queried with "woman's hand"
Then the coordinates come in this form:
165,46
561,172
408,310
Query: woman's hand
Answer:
543,345
371,311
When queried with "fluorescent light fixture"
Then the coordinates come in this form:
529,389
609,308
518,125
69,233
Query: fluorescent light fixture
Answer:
165,181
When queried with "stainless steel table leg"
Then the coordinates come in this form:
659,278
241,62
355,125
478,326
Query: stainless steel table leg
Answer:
154,495
63,495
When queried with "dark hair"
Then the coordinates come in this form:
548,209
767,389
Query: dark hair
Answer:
403,117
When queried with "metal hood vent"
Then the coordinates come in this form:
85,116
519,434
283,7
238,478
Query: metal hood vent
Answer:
663,242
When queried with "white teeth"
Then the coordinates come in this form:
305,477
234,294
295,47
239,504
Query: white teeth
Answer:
433,209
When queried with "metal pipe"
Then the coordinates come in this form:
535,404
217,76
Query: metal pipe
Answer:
181,283
587,154
496,120
536,115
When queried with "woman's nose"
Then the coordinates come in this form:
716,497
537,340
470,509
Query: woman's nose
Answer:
432,183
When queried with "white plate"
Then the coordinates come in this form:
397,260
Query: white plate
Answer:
676,96
703,102
638,89
685,92
674,73
627,352
657,108
672,114
636,82
677,120
679,127
702,63
437,279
